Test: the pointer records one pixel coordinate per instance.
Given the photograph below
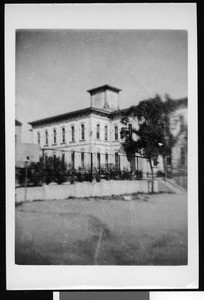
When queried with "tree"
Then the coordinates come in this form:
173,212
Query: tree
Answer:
153,135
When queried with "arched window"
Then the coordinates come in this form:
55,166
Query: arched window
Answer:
98,131
38,138
54,136
46,137
82,132
73,133
63,135
116,133
106,133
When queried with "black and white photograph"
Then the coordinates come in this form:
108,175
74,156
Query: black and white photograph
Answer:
102,143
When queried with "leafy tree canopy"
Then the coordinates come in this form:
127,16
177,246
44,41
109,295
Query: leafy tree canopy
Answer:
153,136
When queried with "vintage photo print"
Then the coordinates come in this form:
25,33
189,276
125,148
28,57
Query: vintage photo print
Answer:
101,177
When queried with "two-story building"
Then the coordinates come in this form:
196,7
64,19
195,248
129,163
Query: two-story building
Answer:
92,135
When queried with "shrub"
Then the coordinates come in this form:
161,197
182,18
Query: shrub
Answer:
159,173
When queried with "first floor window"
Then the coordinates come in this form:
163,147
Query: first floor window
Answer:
106,158
117,162
63,158
98,159
155,161
73,158
168,160
54,160
82,159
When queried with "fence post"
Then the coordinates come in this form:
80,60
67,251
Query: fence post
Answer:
137,168
43,161
91,166
26,177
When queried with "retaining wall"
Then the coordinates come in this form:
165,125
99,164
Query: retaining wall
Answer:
84,189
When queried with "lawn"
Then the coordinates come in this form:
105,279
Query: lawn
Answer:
146,230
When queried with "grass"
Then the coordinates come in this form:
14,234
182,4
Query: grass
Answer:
148,230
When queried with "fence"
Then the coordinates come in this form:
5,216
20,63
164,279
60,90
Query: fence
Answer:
77,166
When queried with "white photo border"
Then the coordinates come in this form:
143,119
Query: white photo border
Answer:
92,16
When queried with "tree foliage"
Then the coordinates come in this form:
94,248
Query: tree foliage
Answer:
153,136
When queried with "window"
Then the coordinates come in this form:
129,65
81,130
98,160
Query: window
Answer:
63,135
38,138
181,121
106,158
82,159
98,131
183,156
116,133
54,160
55,136
46,137
155,161
130,130
63,158
82,131
73,159
117,162
168,160
73,133
106,133
98,159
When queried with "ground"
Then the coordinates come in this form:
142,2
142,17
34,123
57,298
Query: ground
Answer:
142,230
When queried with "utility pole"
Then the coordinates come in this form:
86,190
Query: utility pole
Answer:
26,177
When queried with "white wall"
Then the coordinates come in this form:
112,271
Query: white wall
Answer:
84,189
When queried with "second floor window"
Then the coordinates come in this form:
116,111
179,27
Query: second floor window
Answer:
116,133
98,131
63,135
130,130
181,120
82,131
73,133
183,156
54,136
106,133
39,138
46,138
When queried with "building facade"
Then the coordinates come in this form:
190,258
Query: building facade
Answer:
92,135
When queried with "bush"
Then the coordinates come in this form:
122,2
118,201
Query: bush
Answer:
159,173
138,174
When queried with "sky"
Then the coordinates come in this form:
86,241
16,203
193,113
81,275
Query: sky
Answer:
55,68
